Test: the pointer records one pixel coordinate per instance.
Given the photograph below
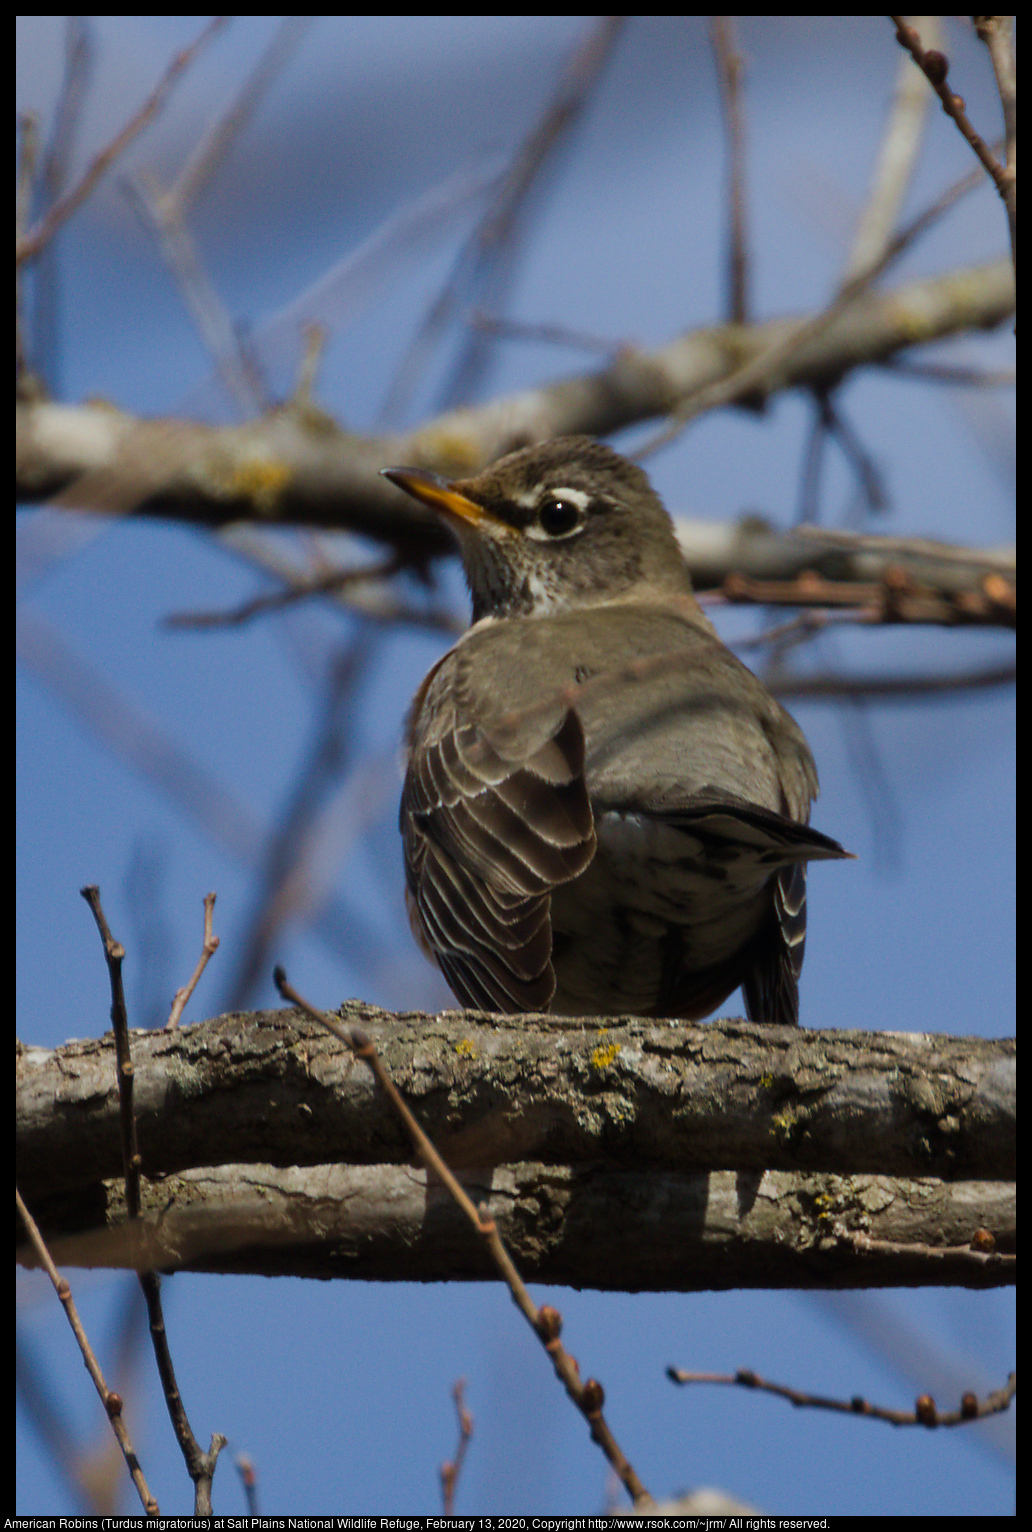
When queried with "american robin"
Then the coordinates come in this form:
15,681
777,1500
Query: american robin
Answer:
604,811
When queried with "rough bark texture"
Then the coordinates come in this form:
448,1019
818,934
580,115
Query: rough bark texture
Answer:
624,1154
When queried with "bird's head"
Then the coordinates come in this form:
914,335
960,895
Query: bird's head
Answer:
565,524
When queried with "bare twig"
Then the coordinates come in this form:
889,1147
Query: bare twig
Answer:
894,166
164,213
766,370
924,1413
208,949
160,216
896,598
928,548
546,1322
359,594
111,1401
952,372
936,67
200,1465
548,334
44,324
997,32
300,590
333,800
979,1250
892,688
34,240
137,739
485,258
28,154
730,68
114,952
830,422
212,149
451,1470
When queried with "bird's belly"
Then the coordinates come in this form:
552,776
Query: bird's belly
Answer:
656,905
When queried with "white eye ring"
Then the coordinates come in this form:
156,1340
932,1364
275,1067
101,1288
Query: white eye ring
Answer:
571,504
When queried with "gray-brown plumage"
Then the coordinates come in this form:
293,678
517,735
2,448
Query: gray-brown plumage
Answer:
604,810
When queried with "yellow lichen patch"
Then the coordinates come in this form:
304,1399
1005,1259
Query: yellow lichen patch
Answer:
260,480
454,454
604,1056
912,317
466,1049
786,1125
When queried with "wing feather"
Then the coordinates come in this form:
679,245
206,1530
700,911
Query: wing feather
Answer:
489,832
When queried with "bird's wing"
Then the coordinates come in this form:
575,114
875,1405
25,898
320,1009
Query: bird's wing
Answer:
492,822
770,984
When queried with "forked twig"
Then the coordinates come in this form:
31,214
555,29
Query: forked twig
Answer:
33,241
200,1465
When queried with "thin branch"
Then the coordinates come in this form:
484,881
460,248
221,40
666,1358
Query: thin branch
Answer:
830,422
111,1401
936,67
163,213
896,598
893,168
765,370
34,240
479,265
730,68
348,287
997,32
300,590
200,1465
45,327
951,372
287,468
332,802
892,688
924,1413
139,741
869,476
546,334
358,595
114,952
913,547
546,1322
160,217
210,153
208,949
451,1470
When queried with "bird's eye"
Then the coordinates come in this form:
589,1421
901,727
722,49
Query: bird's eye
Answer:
558,517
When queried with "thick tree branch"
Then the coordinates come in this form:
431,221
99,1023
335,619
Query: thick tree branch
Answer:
613,1154
296,466
629,1230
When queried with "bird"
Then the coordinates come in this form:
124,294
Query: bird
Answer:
604,811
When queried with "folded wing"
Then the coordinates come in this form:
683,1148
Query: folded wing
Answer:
490,827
